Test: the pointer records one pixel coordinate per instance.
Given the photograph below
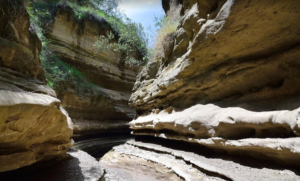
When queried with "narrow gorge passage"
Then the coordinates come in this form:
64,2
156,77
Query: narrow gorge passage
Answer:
209,92
98,145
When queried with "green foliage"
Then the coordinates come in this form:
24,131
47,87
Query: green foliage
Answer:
126,37
58,71
131,38
41,14
166,26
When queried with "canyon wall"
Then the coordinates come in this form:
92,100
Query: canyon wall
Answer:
33,124
230,53
231,81
225,90
233,74
102,107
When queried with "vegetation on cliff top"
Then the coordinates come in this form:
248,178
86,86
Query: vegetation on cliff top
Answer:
130,37
166,25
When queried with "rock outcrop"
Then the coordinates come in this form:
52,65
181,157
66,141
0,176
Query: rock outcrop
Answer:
104,107
231,81
230,53
263,135
33,125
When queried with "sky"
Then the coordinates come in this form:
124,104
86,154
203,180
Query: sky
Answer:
143,11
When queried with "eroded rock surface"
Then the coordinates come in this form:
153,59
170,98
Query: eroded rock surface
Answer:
104,107
231,53
231,82
33,125
264,135
187,164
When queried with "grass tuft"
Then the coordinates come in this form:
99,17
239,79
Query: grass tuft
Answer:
166,24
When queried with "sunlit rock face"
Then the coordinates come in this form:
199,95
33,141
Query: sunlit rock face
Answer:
33,125
103,108
230,53
263,135
231,82
168,160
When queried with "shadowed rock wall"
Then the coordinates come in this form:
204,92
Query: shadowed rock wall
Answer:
33,125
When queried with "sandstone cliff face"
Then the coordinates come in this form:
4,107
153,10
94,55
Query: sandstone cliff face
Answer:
228,53
33,125
231,81
104,107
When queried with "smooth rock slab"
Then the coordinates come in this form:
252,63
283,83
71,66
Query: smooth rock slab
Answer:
194,165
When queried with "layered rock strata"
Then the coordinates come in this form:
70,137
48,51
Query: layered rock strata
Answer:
33,125
230,81
230,53
263,135
103,108
174,163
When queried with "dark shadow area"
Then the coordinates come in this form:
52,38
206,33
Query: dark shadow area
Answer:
219,154
98,145
273,104
78,138
67,168
64,169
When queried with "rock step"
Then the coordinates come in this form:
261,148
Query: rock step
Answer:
189,165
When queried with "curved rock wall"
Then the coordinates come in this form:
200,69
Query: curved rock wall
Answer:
103,108
33,125
230,53
231,81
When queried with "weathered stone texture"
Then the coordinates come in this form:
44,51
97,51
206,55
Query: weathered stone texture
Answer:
231,82
72,40
33,125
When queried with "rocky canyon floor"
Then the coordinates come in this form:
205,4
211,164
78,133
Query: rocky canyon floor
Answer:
219,100
145,158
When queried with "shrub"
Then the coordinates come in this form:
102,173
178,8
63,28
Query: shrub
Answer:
58,71
129,36
132,44
166,24
131,40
